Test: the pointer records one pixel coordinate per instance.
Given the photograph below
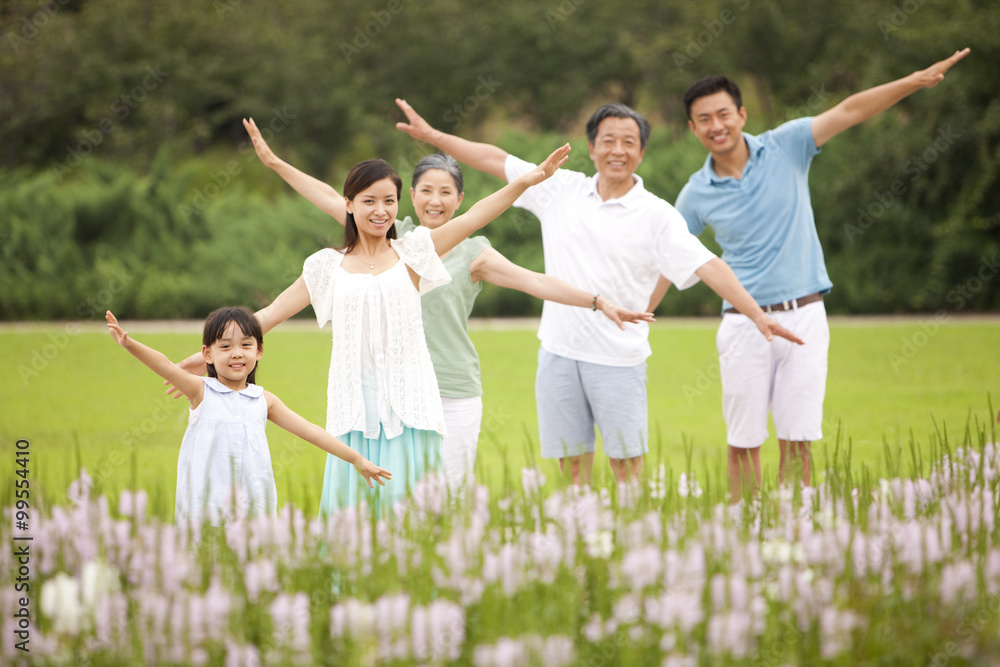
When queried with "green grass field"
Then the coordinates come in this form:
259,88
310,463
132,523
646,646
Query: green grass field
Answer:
81,400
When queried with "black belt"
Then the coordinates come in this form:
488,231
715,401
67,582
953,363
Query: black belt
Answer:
786,305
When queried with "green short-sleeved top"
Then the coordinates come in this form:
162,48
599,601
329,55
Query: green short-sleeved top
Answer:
446,312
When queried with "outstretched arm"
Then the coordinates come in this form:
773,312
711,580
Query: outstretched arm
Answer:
189,385
321,194
458,229
861,106
297,425
720,277
482,157
496,269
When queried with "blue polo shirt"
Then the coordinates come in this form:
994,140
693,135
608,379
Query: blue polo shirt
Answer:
764,221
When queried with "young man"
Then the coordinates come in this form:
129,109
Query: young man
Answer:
608,235
754,192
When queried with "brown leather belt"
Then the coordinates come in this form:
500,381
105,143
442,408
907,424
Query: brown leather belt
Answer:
787,305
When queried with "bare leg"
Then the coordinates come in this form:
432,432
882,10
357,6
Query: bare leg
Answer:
744,471
627,470
580,468
799,453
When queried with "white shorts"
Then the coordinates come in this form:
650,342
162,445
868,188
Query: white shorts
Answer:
463,418
779,377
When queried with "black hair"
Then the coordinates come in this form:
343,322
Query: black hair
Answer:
711,85
361,176
617,111
217,323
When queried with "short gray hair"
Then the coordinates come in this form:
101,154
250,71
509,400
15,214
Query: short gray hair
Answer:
439,161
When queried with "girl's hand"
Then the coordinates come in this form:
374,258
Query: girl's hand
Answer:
619,315
264,151
120,335
548,167
370,471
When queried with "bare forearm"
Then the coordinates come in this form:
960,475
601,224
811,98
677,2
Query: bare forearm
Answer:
482,157
869,103
322,195
331,445
482,212
550,288
720,277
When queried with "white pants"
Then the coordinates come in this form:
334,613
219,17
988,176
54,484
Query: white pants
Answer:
779,377
463,418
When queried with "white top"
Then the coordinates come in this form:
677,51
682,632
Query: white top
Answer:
618,248
225,447
378,339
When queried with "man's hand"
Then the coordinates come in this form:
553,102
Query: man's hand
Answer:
770,329
933,75
417,127
620,315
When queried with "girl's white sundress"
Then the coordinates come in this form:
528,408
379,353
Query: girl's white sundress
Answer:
224,468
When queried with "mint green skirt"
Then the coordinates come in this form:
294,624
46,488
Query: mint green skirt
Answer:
409,457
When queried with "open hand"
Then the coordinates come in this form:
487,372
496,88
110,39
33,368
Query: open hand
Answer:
370,471
770,329
934,74
264,151
543,171
417,127
119,334
619,315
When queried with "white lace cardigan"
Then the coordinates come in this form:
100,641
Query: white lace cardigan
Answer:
397,348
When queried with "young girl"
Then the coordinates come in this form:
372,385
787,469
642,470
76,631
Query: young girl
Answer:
224,462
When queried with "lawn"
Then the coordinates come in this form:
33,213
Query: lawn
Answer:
81,400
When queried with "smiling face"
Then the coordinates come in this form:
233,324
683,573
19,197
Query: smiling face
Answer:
234,356
374,208
617,149
435,198
718,123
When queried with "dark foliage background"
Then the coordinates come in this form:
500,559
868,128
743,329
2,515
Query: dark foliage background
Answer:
126,180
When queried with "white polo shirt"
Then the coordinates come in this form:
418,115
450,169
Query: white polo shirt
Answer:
617,248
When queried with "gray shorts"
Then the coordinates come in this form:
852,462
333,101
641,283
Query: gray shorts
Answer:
572,395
